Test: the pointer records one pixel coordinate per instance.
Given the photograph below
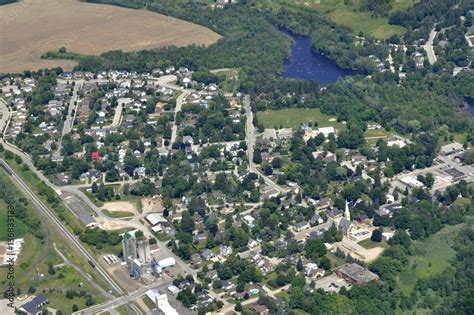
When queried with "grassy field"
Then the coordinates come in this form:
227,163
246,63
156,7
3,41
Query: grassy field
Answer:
371,133
20,228
335,261
368,244
294,117
32,266
117,214
32,28
432,257
348,14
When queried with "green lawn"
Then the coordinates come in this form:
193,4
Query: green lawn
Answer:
368,244
432,257
335,261
371,133
20,228
363,22
294,117
117,214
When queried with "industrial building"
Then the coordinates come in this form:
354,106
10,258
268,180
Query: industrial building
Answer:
136,253
161,302
355,274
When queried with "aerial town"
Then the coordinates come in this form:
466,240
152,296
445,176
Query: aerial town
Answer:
136,183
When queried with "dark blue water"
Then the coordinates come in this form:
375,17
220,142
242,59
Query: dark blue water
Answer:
305,64
470,110
470,105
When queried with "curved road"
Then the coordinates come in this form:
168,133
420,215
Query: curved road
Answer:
429,47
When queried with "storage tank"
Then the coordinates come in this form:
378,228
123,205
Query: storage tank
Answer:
143,250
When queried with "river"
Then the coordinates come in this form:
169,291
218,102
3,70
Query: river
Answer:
306,64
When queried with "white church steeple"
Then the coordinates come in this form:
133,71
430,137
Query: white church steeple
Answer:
347,214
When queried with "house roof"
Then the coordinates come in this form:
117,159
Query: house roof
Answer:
259,308
358,273
33,306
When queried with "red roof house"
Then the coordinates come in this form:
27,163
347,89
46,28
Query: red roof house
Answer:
96,156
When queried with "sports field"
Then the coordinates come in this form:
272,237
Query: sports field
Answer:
294,117
33,27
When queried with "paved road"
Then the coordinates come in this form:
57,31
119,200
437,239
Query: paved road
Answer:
63,231
180,100
5,116
250,139
118,113
429,47
69,122
122,300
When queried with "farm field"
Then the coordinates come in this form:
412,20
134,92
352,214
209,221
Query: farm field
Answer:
349,14
33,27
293,117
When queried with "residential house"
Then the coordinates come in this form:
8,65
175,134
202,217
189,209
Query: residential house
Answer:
301,226
260,309
207,254
34,306
225,250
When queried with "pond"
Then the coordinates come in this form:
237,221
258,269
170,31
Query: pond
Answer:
305,64
469,102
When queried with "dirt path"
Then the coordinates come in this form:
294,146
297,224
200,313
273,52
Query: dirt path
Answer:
120,206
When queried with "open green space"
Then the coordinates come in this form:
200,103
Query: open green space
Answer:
117,214
20,229
42,192
348,13
294,117
32,271
368,244
431,257
371,133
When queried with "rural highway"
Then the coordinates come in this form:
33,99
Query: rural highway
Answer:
63,231
429,47
250,139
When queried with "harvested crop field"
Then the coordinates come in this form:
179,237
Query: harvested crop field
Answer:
33,27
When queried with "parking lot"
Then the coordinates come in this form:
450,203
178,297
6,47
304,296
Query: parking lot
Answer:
331,283
80,209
